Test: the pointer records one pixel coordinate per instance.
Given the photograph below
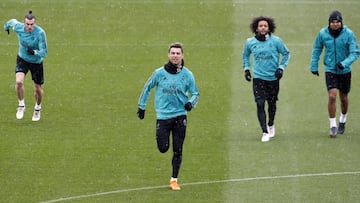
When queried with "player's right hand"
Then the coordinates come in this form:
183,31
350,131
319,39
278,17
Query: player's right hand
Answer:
8,31
315,73
248,75
141,113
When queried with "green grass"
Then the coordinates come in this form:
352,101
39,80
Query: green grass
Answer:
89,145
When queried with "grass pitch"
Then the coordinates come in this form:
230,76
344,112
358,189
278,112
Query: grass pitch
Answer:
89,146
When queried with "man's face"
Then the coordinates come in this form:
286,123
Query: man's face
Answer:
335,25
29,24
263,27
175,56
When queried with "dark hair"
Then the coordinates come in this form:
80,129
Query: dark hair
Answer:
269,20
176,45
30,16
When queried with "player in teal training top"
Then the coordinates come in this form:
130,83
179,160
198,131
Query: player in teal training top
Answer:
176,93
268,68
32,51
341,50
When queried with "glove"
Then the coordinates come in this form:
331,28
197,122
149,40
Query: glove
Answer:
339,66
248,75
279,73
30,51
315,73
8,31
141,113
188,106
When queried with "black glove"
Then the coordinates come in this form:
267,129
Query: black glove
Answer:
279,73
188,106
141,113
339,66
315,72
248,75
30,51
8,31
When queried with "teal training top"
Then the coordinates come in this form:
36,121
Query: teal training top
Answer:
344,49
266,56
35,40
171,92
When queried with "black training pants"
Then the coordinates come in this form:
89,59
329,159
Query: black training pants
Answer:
177,128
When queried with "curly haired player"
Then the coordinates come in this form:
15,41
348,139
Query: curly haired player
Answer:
266,49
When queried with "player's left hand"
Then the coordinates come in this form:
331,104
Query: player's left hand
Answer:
30,51
188,106
279,73
8,31
339,66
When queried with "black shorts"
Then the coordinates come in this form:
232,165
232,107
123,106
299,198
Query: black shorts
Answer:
37,70
265,90
341,82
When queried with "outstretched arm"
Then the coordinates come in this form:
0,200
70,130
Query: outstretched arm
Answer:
10,24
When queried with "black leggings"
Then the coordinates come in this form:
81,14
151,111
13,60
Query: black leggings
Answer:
265,91
177,127
260,104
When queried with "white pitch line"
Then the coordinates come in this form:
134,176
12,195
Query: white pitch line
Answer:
202,183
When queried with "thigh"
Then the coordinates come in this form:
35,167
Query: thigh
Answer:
331,80
20,77
259,89
21,66
345,83
163,128
179,133
37,73
272,88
